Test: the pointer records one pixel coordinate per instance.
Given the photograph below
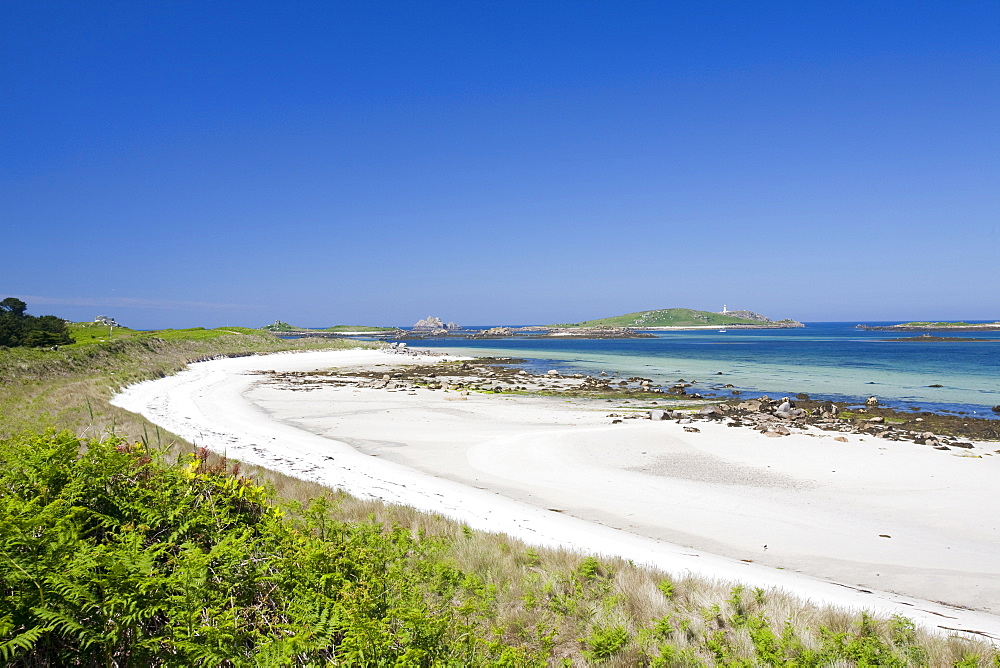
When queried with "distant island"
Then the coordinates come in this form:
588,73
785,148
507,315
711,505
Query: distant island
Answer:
628,326
685,318
935,327
281,327
925,338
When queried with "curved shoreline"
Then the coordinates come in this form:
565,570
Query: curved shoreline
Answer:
208,404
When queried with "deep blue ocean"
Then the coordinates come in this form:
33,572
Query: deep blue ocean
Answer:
831,360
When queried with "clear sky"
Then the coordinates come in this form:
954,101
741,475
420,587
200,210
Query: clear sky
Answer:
176,164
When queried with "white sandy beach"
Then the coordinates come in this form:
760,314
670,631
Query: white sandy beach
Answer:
819,518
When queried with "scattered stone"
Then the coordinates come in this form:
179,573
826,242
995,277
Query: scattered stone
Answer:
693,430
496,375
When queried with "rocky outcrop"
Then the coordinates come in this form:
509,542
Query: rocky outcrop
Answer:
764,321
492,333
429,323
748,315
602,332
433,324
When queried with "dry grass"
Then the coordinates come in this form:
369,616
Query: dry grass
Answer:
568,606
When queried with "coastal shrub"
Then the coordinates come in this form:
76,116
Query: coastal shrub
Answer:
667,587
604,642
112,557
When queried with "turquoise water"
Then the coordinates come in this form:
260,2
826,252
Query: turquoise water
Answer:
825,360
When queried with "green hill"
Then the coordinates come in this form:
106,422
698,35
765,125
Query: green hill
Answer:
359,328
669,317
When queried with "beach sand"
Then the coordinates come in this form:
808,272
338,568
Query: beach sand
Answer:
888,526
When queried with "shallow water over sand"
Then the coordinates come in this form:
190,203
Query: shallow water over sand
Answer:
829,360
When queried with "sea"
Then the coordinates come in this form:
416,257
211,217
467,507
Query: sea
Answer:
826,360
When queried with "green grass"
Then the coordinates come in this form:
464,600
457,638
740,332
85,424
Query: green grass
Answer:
359,328
88,333
85,333
69,388
671,317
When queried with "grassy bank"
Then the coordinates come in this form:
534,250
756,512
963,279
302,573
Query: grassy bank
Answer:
131,550
69,388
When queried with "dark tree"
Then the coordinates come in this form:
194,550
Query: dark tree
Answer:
12,319
13,306
17,328
46,330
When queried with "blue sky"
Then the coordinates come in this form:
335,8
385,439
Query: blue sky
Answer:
179,163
